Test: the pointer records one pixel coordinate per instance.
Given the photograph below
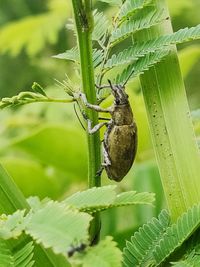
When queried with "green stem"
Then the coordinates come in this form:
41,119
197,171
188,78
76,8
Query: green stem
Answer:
84,25
171,126
5,103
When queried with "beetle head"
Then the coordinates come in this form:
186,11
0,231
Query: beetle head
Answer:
119,94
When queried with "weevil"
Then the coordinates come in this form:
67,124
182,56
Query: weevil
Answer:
120,138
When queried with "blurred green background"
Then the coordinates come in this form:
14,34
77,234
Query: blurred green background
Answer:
43,146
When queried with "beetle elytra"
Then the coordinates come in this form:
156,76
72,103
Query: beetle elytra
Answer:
120,138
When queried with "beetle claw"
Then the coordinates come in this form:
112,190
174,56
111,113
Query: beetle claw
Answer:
99,172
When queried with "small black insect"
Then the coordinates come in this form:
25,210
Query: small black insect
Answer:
120,138
73,249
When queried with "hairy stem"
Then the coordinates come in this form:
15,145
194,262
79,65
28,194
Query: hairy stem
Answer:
84,26
171,126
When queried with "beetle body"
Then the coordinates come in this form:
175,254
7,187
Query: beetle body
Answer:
120,142
120,139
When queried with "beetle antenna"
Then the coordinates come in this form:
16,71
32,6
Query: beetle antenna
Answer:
111,86
128,78
75,110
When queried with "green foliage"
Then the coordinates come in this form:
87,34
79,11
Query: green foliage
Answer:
113,2
140,66
52,224
101,25
157,240
24,33
130,7
64,225
98,199
105,254
60,225
20,258
140,49
139,250
136,24
38,95
191,257
73,55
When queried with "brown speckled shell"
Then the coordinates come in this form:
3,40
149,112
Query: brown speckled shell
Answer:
121,146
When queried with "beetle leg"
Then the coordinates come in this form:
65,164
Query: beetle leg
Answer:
106,158
99,172
94,107
94,129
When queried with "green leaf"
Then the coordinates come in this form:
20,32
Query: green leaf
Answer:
140,49
63,151
42,180
131,6
22,257
139,250
113,2
37,88
132,197
156,241
97,57
5,255
23,33
10,226
136,24
11,200
102,198
73,55
105,254
140,66
56,227
92,199
177,234
22,98
101,25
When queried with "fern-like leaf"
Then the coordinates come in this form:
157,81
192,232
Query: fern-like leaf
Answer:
92,199
140,66
132,197
19,258
11,225
177,234
50,223
136,24
132,6
73,55
138,251
113,2
99,199
140,49
101,25
57,227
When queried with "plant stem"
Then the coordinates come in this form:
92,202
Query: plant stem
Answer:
171,125
84,25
